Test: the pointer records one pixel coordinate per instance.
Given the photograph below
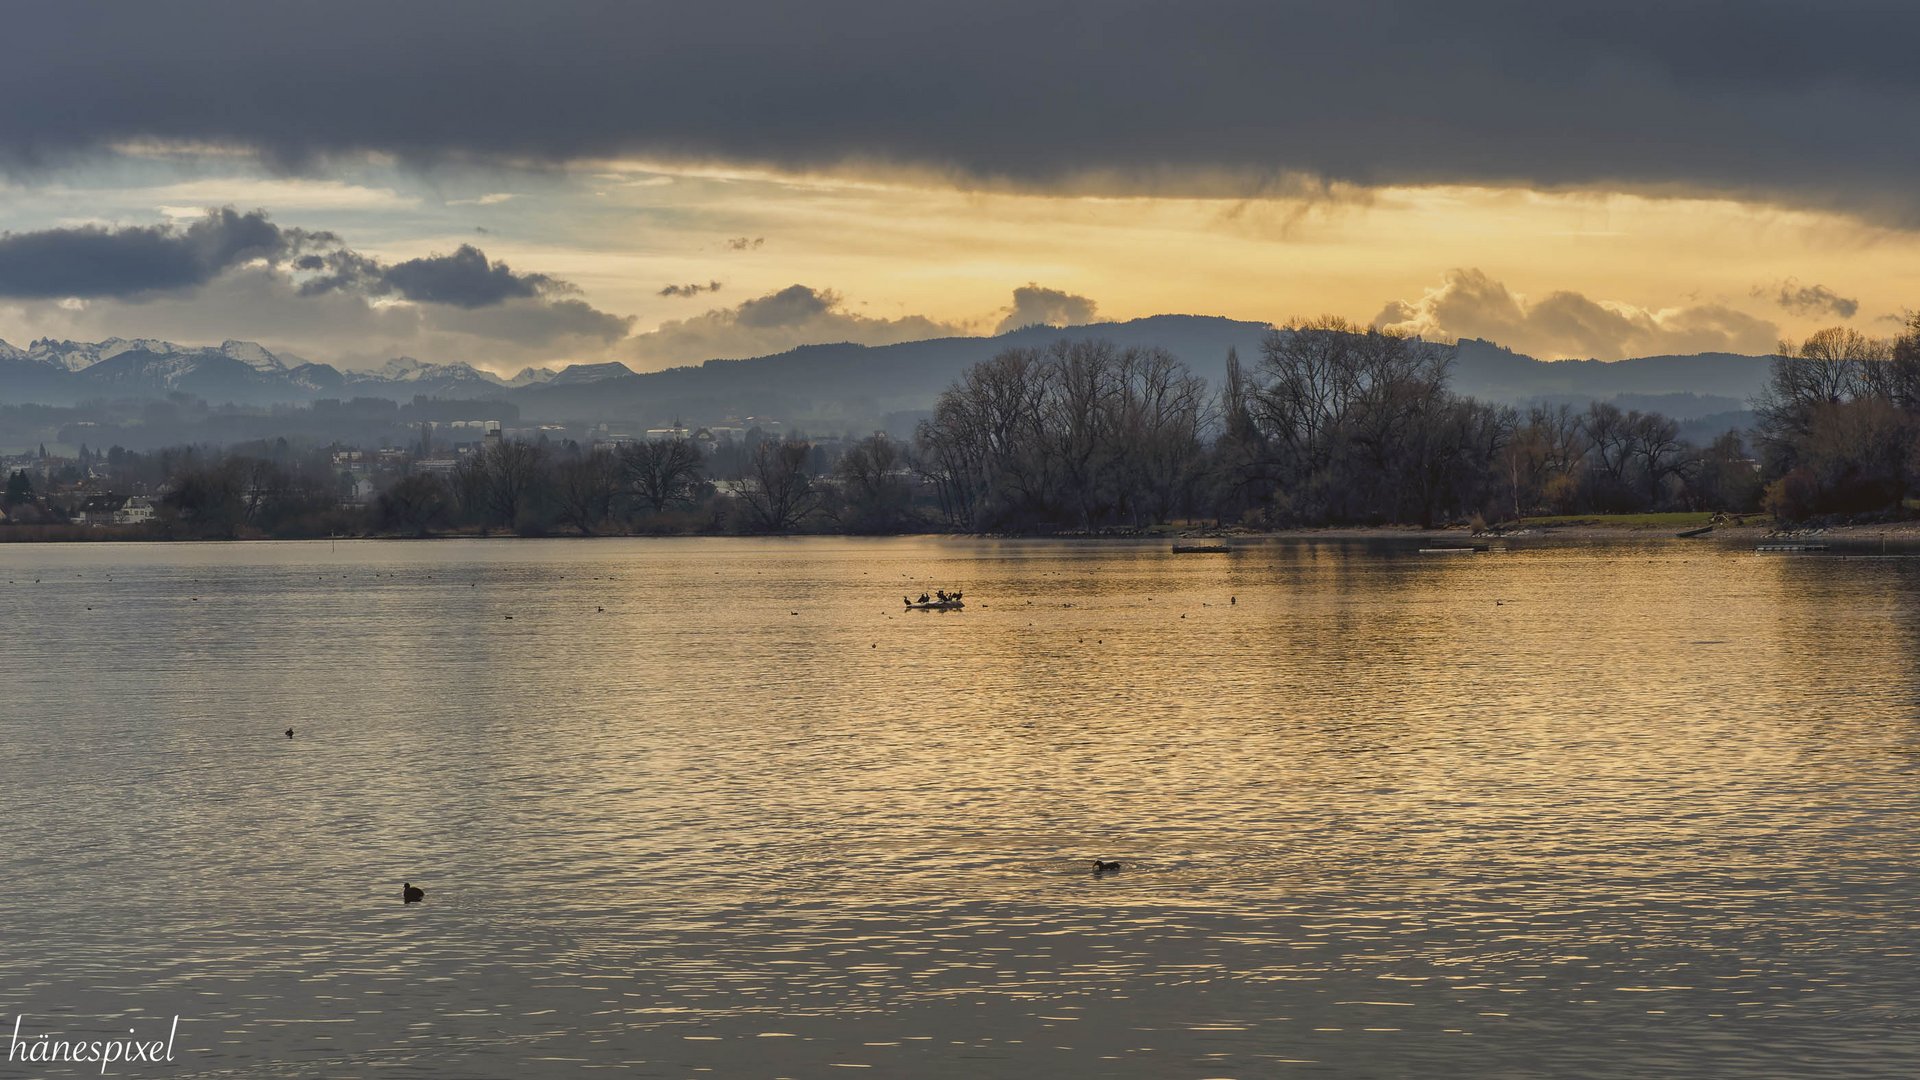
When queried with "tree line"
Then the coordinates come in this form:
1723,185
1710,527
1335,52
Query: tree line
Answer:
1340,424
1331,424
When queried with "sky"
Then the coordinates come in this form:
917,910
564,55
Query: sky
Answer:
517,185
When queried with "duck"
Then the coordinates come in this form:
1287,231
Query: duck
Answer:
1101,866
411,893
289,733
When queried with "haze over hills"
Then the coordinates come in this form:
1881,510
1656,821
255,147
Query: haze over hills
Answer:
854,384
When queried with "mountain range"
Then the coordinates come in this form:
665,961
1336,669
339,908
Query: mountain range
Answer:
853,384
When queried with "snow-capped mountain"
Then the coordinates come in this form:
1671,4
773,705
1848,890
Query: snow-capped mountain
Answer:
532,376
575,374
406,369
255,356
57,372
80,355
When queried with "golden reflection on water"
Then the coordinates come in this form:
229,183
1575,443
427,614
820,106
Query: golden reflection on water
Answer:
1600,810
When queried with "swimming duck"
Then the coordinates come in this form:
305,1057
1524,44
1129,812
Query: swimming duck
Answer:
1101,866
411,893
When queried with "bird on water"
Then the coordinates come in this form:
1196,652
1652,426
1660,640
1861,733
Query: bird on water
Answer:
289,733
411,893
1101,866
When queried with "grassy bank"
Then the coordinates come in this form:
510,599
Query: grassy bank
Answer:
1679,520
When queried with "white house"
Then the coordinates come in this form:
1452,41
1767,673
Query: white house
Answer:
135,511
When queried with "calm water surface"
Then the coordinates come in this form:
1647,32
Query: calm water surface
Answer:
720,806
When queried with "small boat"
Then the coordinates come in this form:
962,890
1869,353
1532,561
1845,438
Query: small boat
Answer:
1691,533
1457,549
1201,549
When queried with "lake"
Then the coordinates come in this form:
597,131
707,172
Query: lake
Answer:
722,806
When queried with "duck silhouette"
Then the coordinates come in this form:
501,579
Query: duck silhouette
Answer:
1101,866
289,733
411,893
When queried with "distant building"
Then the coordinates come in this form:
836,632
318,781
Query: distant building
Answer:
97,510
135,511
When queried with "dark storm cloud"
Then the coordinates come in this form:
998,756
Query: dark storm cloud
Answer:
1770,97
463,279
1808,299
94,261
240,268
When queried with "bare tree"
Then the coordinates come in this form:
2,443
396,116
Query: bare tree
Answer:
416,503
469,489
511,478
877,495
1655,441
584,488
1609,440
662,473
779,493
1831,367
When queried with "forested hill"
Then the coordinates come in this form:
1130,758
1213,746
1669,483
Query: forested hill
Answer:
815,384
859,380
871,380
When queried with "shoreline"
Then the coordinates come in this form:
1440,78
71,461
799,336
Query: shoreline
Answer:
1902,531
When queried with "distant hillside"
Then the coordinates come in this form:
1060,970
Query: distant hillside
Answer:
860,381
1491,373
824,385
